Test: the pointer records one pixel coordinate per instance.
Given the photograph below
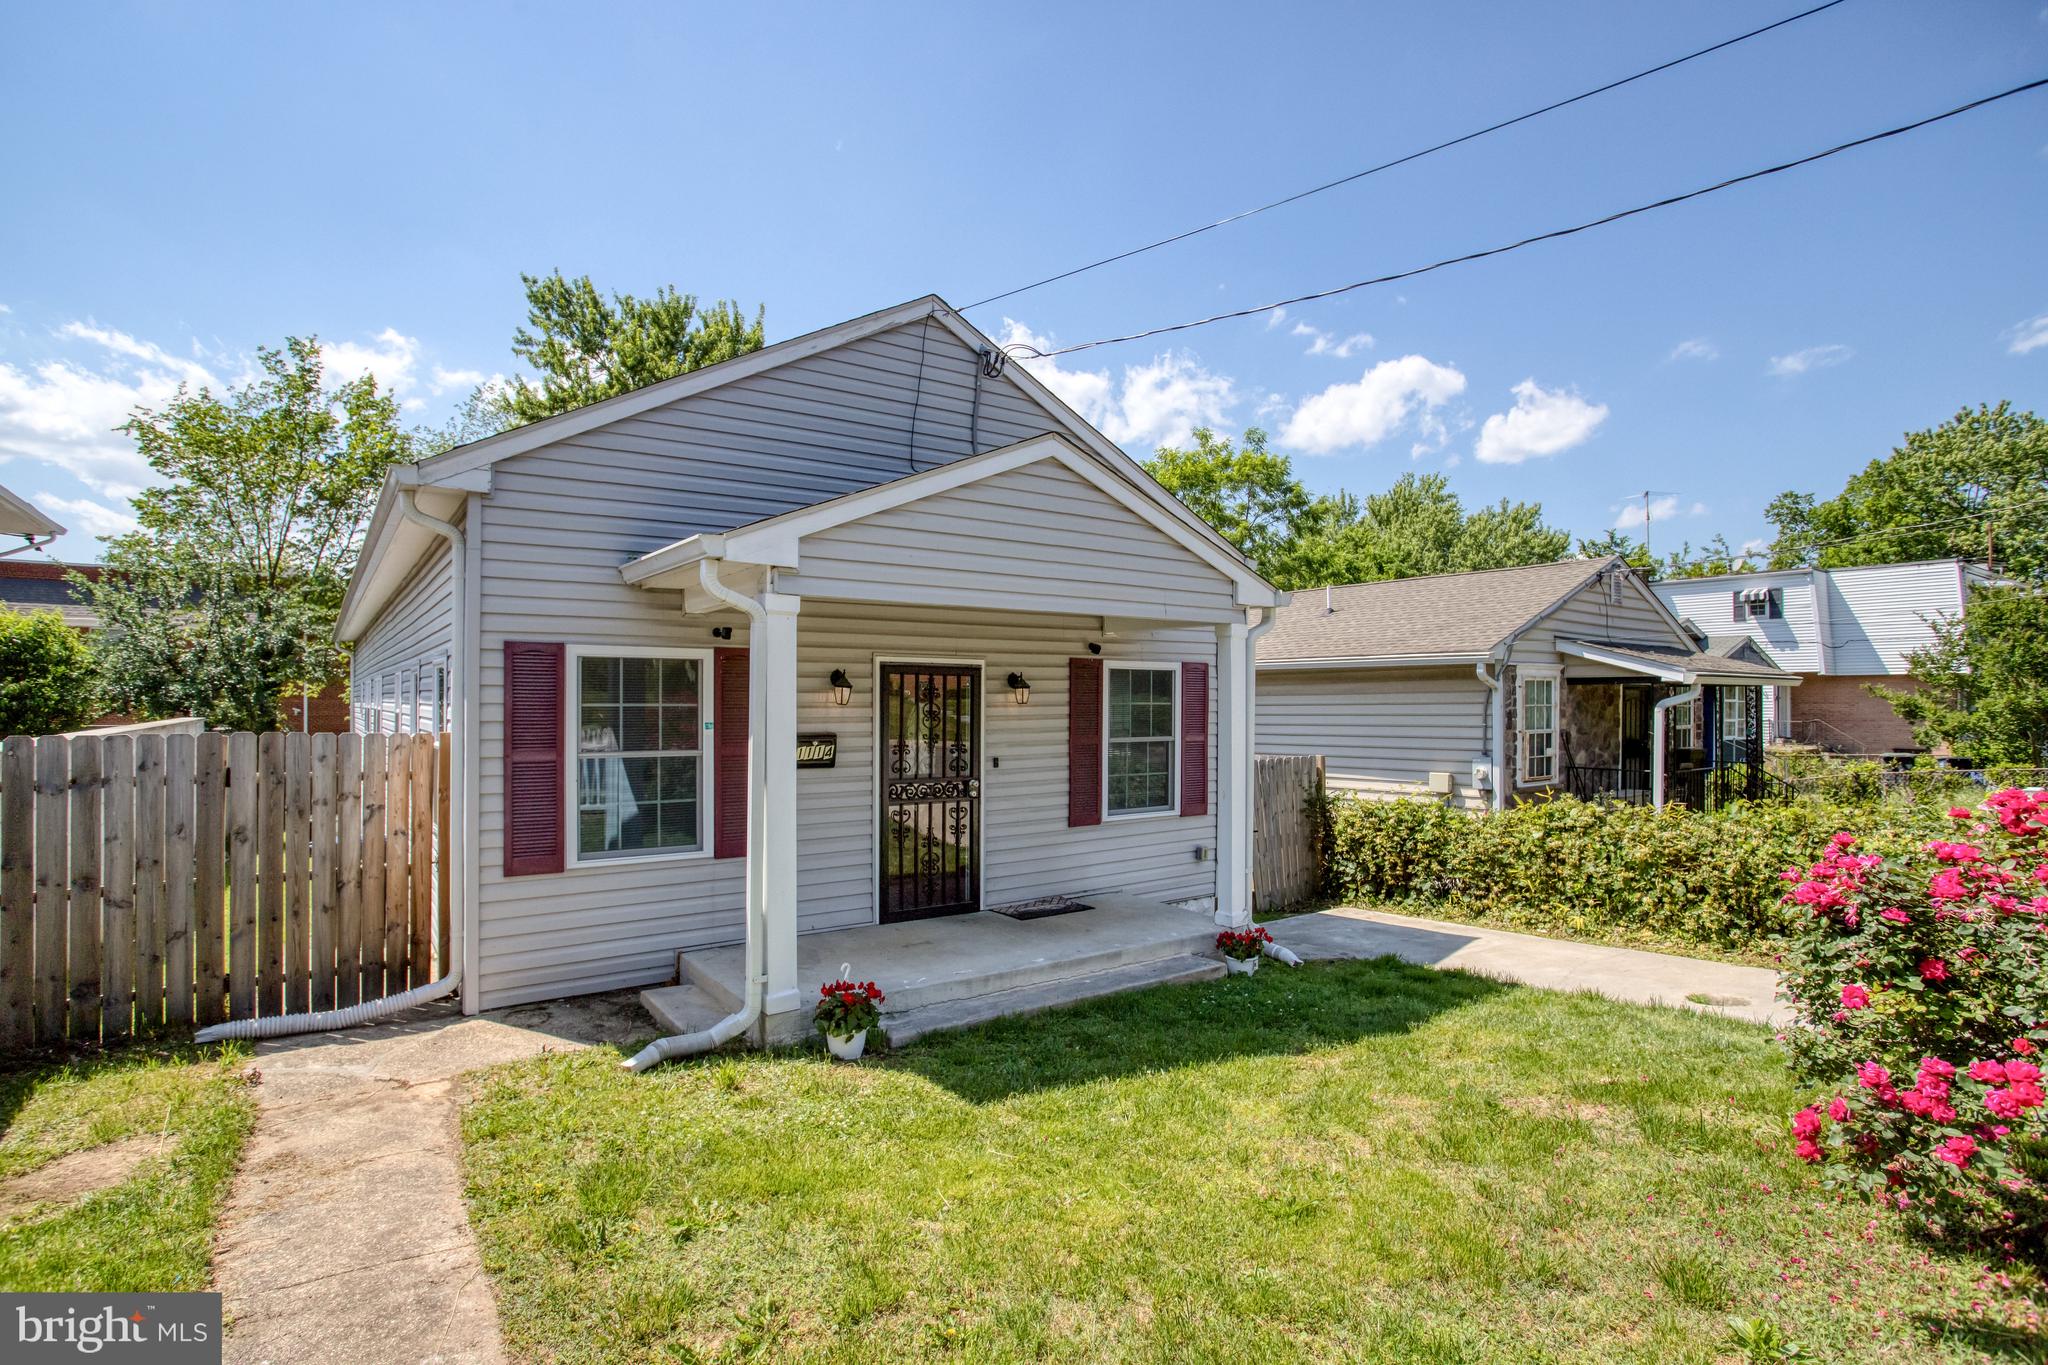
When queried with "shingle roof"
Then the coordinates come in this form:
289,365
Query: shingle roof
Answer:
1736,646
1447,614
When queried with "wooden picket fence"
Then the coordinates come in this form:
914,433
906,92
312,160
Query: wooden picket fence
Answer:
161,881
1287,863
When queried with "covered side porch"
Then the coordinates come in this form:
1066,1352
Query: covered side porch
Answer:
1653,726
1010,684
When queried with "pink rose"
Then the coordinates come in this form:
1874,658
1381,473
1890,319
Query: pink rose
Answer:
1948,886
1933,969
1807,1123
1957,1151
2022,1071
1807,1149
1838,1109
1873,1076
1895,915
1990,1073
1855,997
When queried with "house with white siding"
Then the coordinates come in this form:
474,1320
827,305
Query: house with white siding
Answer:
865,628
1484,689
1841,631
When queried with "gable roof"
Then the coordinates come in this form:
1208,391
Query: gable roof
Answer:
391,548
1443,618
774,541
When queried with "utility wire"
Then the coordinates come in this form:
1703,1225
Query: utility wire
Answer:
1875,533
1404,160
1033,353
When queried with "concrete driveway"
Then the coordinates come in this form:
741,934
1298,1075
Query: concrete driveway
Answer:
1621,973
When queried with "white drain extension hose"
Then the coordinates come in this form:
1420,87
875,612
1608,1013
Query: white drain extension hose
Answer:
1284,956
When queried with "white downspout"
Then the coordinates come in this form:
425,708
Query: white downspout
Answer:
1496,721
756,952
1657,741
28,543
284,1025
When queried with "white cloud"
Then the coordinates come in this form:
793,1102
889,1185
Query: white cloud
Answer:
1157,403
1755,546
1373,407
2030,335
444,380
1812,358
1329,343
66,414
1630,514
5,309
1695,348
1542,422
1276,317
390,356
83,516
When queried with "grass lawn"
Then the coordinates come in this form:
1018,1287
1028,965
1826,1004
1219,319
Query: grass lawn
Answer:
164,1124
1350,1161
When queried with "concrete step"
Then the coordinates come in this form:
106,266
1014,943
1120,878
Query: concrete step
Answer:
681,1009
909,1024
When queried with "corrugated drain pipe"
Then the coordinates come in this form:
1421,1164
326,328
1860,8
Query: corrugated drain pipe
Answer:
284,1025
733,1025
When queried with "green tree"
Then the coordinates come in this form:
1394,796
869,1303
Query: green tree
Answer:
1615,543
1248,493
48,683
1984,680
1717,556
587,348
225,598
1975,486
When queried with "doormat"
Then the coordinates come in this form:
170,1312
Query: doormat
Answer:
1040,908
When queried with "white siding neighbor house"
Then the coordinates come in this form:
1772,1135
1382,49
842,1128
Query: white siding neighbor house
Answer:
862,628
1488,688
1840,630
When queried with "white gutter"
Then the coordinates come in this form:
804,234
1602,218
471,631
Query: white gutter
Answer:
28,543
1657,741
756,954
284,1025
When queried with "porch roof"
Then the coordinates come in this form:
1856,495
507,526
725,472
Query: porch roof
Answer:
775,542
1668,664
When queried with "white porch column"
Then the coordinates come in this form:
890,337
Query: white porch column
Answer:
771,847
1233,776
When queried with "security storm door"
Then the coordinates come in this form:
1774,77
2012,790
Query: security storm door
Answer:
930,754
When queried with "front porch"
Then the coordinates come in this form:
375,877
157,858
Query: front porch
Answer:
956,970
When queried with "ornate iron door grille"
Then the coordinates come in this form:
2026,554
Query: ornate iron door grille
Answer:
931,790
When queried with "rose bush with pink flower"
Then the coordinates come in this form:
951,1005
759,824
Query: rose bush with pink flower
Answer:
1920,985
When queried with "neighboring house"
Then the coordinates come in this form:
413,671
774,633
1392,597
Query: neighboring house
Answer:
1493,687
860,628
1840,630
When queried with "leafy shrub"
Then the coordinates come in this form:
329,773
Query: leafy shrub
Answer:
1574,867
48,682
1923,1009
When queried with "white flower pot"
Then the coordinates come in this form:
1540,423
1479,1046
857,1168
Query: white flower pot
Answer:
1240,966
847,1049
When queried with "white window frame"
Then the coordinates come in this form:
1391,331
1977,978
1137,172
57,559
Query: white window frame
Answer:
572,715
1721,743
1172,806
1688,726
1523,678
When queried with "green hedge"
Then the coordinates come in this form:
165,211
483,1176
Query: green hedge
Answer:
1578,868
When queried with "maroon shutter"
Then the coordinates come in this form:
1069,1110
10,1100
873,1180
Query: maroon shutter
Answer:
534,777
729,753
1194,739
1084,742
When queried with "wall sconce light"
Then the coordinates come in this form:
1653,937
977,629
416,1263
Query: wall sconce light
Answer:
1094,648
1020,689
842,688
721,632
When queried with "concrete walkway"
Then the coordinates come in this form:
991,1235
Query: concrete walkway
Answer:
345,1238
1620,973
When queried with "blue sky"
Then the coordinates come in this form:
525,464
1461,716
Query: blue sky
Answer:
184,183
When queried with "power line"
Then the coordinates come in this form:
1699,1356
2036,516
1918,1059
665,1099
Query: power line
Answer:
1404,160
1033,353
1979,517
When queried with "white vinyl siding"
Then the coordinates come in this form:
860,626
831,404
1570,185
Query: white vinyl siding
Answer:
1041,532
414,633
1381,732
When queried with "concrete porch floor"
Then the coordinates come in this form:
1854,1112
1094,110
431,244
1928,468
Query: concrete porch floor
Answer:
962,969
